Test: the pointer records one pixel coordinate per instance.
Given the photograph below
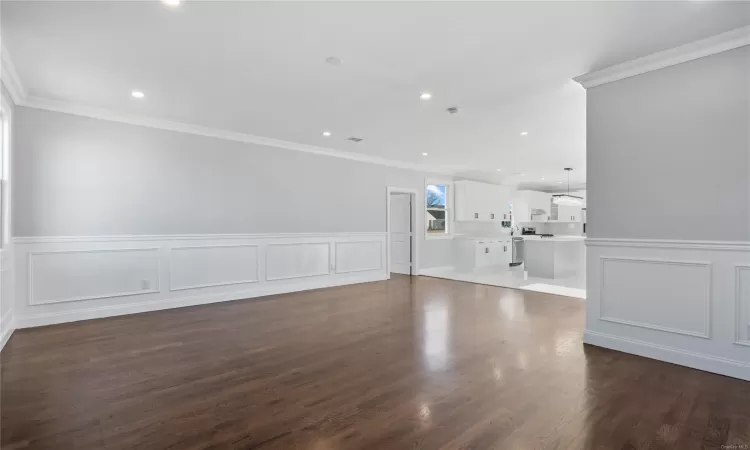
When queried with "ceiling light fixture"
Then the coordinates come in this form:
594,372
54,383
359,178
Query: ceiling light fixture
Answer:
137,94
425,96
424,154
567,199
499,170
171,2
542,178
326,133
524,133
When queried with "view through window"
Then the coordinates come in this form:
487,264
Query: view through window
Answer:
437,213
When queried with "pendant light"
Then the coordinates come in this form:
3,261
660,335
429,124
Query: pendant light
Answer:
567,199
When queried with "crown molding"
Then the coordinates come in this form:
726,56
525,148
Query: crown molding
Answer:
18,94
10,78
181,127
730,40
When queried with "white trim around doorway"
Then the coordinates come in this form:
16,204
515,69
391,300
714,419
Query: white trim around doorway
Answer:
414,225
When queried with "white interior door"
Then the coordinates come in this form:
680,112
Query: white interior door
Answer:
401,233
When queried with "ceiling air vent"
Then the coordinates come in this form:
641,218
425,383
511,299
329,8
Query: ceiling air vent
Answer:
354,139
453,110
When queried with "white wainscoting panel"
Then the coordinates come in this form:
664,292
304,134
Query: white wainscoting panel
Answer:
7,326
213,265
69,276
665,295
684,302
742,304
358,256
64,279
297,260
7,295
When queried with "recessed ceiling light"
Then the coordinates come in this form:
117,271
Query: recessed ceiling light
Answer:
521,173
542,179
425,96
424,154
559,182
524,133
171,2
499,170
326,133
137,94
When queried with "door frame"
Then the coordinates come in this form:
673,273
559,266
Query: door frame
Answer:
414,241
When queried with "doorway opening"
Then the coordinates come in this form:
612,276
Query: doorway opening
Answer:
400,226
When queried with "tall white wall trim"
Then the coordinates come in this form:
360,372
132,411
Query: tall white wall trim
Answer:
68,279
685,302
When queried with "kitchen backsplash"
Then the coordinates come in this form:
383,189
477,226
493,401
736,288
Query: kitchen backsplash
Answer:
480,229
575,229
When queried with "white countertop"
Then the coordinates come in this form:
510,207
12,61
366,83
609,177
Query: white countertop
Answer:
561,238
501,237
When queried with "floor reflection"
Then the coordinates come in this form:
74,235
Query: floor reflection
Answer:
410,363
436,330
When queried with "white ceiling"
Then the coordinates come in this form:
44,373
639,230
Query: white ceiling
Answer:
259,68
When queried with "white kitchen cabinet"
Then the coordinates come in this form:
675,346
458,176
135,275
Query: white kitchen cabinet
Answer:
481,202
521,210
567,213
532,202
477,254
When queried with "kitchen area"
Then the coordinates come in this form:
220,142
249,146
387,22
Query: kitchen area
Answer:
522,239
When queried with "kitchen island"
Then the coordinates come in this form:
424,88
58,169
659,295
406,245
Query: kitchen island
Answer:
554,257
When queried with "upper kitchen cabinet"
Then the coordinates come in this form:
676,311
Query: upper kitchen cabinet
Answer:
532,206
481,202
521,210
570,213
566,213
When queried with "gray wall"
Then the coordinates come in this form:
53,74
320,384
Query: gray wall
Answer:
76,176
669,152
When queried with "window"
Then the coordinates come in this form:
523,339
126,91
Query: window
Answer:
437,209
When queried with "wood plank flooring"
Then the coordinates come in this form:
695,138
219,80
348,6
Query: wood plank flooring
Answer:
411,363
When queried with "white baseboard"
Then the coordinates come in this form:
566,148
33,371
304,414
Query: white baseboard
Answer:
723,366
195,300
427,271
7,326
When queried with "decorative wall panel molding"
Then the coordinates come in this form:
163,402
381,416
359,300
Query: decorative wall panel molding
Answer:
71,276
298,260
63,279
660,294
742,246
27,240
213,265
685,302
742,304
358,256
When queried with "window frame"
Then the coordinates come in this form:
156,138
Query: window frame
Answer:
448,234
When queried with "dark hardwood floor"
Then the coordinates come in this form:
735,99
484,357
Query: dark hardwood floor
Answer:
412,363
